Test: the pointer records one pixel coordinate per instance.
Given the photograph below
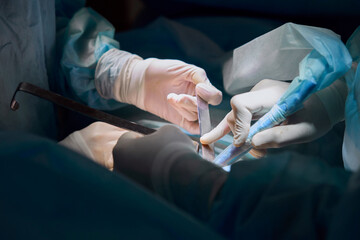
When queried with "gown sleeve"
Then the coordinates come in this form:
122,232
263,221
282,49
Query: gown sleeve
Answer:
90,59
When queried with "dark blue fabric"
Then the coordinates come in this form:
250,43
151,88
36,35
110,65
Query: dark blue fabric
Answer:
49,192
346,221
286,196
203,41
284,7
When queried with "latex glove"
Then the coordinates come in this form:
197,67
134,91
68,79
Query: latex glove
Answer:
96,142
314,120
165,88
135,157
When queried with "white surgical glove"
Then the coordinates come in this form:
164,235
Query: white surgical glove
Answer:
321,111
95,142
165,88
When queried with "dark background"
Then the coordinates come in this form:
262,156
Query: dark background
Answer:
340,16
343,17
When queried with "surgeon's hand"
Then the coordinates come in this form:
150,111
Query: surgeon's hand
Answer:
307,124
170,87
96,142
166,88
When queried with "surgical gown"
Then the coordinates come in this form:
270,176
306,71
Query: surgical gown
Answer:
27,50
351,146
59,44
283,196
49,192
55,45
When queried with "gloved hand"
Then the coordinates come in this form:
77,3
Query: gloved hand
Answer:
135,157
96,142
321,111
163,87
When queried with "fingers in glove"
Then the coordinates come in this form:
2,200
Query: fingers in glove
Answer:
246,107
209,93
191,126
258,153
184,104
218,132
203,86
284,135
197,75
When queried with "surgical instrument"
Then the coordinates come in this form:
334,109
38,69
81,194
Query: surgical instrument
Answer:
207,151
77,107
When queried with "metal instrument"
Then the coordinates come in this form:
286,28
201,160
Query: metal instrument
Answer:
208,152
77,107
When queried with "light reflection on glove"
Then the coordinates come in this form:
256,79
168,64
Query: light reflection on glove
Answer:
95,142
165,88
169,91
307,124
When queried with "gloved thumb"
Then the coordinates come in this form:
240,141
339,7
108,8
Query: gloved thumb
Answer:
209,93
204,88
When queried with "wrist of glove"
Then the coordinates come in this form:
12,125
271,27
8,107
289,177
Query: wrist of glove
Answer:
129,86
76,142
333,98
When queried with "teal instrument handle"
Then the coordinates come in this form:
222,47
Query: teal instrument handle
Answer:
232,154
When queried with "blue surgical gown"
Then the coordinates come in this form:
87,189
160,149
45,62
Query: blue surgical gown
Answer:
27,49
351,145
54,45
